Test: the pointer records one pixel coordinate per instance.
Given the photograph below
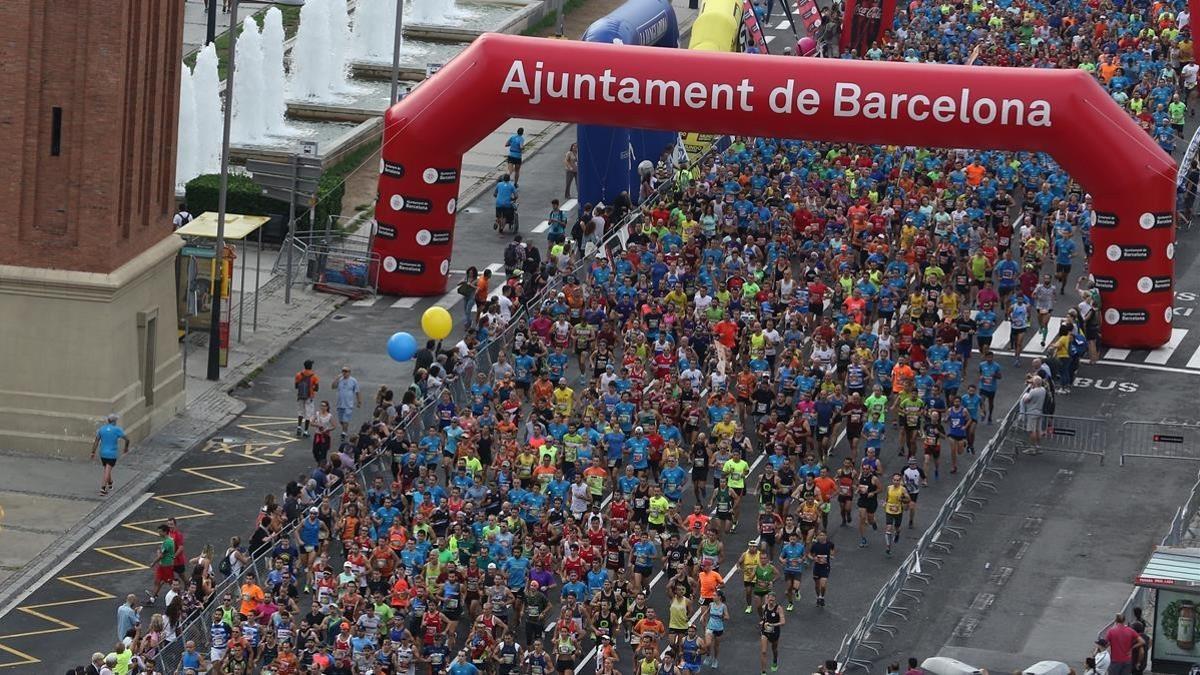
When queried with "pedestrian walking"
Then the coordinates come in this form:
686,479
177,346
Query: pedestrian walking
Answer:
163,564
307,385
128,617
180,562
110,443
570,170
322,422
349,397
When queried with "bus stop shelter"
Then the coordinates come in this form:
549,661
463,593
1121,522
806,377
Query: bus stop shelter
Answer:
1173,575
194,276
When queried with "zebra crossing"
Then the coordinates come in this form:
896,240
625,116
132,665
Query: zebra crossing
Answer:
1180,354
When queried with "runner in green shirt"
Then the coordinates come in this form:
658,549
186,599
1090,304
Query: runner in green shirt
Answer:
163,563
1177,111
876,405
736,469
910,406
656,514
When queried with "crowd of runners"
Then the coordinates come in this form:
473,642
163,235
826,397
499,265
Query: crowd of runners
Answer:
825,311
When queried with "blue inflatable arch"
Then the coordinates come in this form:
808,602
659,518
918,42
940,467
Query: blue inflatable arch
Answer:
608,156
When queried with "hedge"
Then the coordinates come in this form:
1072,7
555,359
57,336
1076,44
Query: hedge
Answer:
244,197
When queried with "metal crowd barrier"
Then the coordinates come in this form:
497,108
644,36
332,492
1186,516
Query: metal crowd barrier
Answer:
1160,440
1062,433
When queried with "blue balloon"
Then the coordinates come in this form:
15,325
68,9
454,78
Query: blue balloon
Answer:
402,346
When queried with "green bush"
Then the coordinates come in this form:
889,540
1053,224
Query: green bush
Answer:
245,197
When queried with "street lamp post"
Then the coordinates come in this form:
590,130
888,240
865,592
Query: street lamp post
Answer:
214,329
397,40
210,34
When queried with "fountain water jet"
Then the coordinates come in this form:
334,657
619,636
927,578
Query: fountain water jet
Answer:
249,113
374,22
206,87
186,145
310,54
274,106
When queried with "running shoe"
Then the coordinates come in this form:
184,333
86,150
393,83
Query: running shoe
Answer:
748,609
790,607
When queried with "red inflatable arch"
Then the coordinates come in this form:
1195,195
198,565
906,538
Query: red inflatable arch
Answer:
1060,112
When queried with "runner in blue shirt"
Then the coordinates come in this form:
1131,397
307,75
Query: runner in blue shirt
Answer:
957,421
108,438
516,146
989,379
1064,251
792,558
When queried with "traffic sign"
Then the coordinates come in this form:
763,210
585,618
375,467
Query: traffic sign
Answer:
303,186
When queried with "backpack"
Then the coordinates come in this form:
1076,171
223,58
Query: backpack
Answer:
226,567
1078,344
304,387
512,254
1048,402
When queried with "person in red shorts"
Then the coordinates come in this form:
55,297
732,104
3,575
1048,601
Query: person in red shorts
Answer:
163,564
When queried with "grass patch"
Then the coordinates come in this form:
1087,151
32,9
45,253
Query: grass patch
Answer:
248,381
291,22
551,20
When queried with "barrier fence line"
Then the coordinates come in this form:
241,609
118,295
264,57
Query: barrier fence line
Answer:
909,581
199,626
1160,440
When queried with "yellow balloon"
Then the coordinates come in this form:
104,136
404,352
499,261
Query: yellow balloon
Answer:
436,323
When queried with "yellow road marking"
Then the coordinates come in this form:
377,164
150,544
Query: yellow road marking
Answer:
247,451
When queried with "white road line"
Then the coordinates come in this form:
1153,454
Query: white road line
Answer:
1163,353
496,267
541,227
449,300
569,205
769,38
782,24
1115,354
1001,335
1193,362
405,303
366,302
1035,346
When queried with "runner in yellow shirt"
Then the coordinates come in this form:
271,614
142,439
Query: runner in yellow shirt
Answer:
749,562
896,497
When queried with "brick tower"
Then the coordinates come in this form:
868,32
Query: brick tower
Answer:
87,133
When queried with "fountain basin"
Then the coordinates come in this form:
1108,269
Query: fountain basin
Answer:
335,141
416,55
487,17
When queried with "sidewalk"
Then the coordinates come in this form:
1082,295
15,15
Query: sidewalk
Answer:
195,22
